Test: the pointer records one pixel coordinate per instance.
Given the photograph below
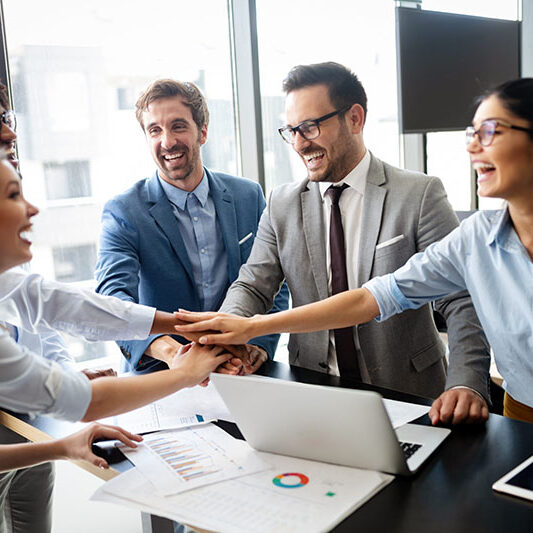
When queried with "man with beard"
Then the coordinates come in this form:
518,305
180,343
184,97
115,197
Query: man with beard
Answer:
353,218
178,239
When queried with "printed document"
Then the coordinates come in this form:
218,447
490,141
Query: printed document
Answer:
294,495
187,407
180,460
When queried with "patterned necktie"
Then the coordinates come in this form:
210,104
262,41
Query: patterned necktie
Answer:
344,341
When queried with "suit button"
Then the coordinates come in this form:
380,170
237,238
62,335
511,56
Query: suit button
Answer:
323,365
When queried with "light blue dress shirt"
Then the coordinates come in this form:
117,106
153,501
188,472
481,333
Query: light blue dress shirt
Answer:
484,256
202,236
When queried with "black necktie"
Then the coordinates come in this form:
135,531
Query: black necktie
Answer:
344,343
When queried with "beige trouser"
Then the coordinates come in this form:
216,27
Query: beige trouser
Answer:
517,410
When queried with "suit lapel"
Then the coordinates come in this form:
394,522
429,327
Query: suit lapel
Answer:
161,212
227,218
313,228
373,202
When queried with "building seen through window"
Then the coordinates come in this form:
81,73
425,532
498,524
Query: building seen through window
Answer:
75,78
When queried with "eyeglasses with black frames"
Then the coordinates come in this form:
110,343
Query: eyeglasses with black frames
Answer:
487,130
308,129
9,119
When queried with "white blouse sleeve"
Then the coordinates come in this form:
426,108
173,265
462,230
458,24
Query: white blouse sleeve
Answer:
30,383
30,302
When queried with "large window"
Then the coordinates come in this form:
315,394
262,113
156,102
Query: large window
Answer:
447,157
358,34
77,69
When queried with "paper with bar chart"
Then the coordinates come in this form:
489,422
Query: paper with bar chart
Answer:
180,460
294,496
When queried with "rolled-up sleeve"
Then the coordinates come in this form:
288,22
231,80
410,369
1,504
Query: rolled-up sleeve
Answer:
389,297
32,384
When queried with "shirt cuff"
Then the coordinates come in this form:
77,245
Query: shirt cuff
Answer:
72,392
468,388
390,299
140,322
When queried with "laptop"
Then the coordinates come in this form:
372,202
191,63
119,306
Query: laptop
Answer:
329,424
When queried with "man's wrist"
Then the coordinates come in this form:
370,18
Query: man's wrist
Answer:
466,387
164,349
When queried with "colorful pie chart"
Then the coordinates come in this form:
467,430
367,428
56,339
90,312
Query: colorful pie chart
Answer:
295,480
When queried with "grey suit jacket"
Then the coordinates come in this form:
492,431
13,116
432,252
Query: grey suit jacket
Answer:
404,352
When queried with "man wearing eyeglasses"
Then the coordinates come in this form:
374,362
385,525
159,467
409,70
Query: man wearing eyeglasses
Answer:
355,217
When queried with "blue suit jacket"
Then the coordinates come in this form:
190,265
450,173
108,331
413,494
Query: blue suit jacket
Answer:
143,259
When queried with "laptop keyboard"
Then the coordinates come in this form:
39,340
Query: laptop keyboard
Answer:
409,448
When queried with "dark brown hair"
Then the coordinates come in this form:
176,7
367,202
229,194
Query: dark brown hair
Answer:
166,88
344,87
516,96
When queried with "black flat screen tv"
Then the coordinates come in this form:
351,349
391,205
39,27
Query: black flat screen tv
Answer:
445,61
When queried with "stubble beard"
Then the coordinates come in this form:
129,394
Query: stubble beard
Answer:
186,172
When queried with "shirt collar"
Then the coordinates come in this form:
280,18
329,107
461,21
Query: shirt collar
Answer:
179,197
503,234
356,178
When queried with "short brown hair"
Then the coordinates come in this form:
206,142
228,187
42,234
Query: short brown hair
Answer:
167,88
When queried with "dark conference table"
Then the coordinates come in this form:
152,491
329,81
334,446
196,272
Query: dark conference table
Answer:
451,493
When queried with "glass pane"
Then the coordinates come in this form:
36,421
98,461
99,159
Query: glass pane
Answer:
77,69
357,34
446,154
448,159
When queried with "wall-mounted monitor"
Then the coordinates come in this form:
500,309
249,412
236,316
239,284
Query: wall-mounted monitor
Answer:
445,61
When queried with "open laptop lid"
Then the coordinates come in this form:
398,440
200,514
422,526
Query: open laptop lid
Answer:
334,425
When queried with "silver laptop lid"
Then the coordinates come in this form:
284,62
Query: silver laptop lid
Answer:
334,425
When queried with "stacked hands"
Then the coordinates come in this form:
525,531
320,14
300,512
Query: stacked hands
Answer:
453,406
241,358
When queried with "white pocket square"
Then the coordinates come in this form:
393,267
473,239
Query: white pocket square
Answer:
245,238
390,241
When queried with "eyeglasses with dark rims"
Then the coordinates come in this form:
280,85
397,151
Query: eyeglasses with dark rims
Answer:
308,129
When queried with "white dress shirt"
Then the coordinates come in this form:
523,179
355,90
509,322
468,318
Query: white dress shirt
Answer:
351,208
30,302
47,343
30,383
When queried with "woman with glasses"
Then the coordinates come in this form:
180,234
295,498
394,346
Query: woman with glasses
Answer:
490,255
